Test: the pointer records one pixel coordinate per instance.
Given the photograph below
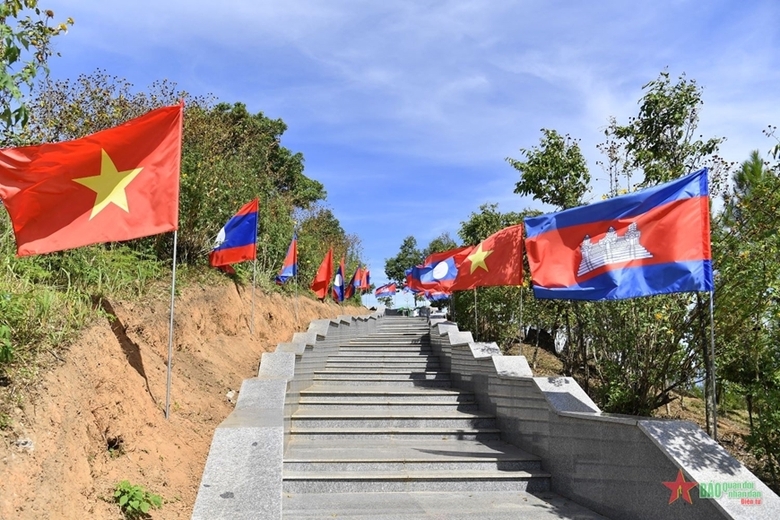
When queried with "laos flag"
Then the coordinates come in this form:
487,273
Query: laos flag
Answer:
337,290
290,265
654,241
237,240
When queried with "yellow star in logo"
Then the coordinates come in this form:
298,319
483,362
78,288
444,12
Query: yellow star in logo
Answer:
109,185
477,258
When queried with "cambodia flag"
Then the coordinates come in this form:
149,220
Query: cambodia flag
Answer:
653,241
237,240
338,283
290,265
385,291
497,260
354,284
322,279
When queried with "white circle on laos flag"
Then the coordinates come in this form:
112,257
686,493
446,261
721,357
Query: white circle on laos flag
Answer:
441,270
337,280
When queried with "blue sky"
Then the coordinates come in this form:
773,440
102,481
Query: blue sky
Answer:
406,110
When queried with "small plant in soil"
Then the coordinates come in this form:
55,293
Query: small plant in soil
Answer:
135,501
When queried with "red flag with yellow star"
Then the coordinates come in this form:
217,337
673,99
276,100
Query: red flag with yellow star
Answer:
497,260
117,184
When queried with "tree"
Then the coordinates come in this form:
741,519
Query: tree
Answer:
408,256
659,143
555,172
25,49
441,243
746,248
646,348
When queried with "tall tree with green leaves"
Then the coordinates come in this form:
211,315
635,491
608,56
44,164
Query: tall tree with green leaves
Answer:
25,48
555,172
408,256
746,248
646,348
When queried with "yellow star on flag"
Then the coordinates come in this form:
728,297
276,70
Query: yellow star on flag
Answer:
109,185
477,258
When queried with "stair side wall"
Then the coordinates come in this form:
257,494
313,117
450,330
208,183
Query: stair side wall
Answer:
612,464
242,478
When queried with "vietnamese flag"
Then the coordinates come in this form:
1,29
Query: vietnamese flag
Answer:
117,184
497,260
322,279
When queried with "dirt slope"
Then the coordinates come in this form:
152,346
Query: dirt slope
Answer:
97,416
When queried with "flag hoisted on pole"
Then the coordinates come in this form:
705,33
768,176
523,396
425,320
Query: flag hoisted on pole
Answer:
321,280
338,283
654,241
290,264
118,184
289,271
237,242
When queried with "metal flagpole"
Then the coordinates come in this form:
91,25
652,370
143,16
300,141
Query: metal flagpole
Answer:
170,331
252,314
712,370
254,276
295,300
522,326
476,323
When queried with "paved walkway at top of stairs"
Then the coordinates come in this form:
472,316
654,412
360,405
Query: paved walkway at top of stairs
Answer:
381,434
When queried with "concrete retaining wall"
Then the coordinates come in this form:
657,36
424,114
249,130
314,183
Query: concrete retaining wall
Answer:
615,465
242,479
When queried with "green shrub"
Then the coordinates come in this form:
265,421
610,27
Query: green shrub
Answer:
135,501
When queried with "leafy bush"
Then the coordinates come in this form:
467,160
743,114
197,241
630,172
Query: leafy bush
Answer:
135,501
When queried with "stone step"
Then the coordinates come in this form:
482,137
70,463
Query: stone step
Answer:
407,434
387,405
377,418
372,369
370,349
371,356
369,455
379,393
377,374
409,481
440,381
449,505
401,365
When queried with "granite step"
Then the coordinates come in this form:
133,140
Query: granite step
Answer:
443,505
379,418
330,434
379,393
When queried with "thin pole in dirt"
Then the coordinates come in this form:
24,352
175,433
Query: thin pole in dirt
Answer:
712,370
476,324
170,332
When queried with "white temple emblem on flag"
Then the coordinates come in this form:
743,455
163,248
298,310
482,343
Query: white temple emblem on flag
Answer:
612,249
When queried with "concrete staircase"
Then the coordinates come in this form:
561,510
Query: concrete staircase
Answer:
381,434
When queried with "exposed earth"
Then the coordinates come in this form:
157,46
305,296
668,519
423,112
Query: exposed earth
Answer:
97,416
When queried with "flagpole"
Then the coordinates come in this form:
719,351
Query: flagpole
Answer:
254,277
295,300
170,331
252,313
476,324
522,326
712,370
